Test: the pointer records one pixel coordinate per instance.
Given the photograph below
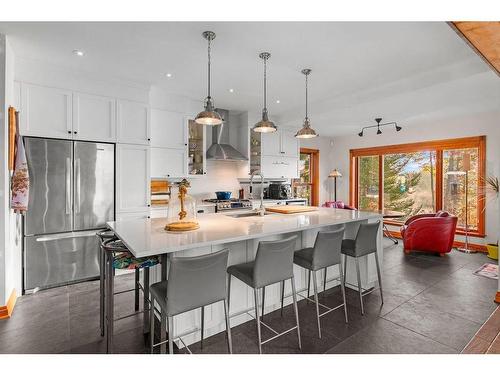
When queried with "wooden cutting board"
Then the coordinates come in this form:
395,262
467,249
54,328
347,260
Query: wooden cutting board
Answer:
291,209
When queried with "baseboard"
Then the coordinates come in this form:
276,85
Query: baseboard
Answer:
473,246
6,311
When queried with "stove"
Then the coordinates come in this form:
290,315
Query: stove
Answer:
230,204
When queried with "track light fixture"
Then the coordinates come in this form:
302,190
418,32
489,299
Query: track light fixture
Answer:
379,120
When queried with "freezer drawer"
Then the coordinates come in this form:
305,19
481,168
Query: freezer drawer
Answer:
52,260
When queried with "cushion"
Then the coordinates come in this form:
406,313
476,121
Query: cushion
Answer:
243,271
333,204
304,257
159,292
348,247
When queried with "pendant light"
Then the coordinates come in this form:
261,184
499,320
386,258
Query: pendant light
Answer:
264,125
306,131
208,116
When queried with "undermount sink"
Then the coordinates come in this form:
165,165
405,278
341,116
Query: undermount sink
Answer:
246,214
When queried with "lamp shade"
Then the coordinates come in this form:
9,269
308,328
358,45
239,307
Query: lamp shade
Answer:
335,173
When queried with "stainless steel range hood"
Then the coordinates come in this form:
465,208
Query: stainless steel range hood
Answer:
220,148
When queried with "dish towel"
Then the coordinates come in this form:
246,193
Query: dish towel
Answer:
20,178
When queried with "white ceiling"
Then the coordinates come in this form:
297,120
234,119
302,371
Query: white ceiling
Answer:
359,70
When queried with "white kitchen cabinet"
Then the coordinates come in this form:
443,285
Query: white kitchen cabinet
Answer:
46,112
133,192
289,144
133,122
279,167
168,129
168,162
122,216
280,143
271,143
94,117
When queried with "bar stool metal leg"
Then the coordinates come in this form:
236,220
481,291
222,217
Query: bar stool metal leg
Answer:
294,296
109,303
315,286
152,325
324,280
379,277
146,305
228,327
282,295
360,291
257,319
202,324
170,328
345,268
342,287
308,285
102,282
263,302
136,289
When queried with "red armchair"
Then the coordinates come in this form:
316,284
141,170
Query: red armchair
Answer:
432,233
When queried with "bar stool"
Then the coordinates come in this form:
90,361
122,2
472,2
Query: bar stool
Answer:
324,253
273,264
117,256
364,244
193,282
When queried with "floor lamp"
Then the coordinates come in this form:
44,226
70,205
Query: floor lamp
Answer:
334,174
466,169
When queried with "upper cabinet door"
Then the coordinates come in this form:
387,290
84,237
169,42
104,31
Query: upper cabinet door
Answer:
168,129
133,122
46,112
168,162
271,143
132,178
94,118
289,144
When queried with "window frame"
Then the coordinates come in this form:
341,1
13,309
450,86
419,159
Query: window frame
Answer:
314,174
438,146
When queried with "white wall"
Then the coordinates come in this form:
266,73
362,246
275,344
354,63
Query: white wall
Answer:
424,129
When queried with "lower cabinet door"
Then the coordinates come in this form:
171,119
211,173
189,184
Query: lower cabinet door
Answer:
59,259
121,216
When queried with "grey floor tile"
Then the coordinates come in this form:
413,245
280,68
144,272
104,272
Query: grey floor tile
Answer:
440,326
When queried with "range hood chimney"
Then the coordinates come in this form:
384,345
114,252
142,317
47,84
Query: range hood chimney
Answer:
220,148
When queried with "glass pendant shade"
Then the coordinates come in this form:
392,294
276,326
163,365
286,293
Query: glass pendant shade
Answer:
181,214
306,131
209,116
264,125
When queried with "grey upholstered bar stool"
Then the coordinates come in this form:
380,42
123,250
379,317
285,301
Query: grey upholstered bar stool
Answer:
117,256
364,244
325,253
273,264
193,282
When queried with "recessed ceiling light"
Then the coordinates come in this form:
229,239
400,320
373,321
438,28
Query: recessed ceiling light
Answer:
78,52
169,75
278,101
231,90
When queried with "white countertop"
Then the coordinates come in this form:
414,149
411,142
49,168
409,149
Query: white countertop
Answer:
145,237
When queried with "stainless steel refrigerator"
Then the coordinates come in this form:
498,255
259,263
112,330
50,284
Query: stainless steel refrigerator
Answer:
72,189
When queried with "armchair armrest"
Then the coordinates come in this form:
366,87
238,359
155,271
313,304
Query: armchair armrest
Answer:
419,216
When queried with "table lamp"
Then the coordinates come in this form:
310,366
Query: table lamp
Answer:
334,174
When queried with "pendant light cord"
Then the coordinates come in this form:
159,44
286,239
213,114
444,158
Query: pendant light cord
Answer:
209,42
265,84
306,93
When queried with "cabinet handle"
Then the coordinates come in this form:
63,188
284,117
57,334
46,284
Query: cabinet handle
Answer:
149,217
185,144
168,175
149,139
75,132
149,205
69,131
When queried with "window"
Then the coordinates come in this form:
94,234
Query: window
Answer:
422,178
307,185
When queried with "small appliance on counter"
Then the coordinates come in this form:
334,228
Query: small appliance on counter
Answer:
279,191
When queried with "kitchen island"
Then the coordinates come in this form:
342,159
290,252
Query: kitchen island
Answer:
241,235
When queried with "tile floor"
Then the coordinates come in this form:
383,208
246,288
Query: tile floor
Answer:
432,305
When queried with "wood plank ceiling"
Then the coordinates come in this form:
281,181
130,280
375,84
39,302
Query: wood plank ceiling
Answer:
484,39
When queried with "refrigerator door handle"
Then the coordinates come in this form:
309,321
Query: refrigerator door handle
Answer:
78,183
53,237
68,186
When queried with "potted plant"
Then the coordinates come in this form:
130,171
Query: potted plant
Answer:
492,184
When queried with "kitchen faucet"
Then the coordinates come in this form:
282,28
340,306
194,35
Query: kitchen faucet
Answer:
261,209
